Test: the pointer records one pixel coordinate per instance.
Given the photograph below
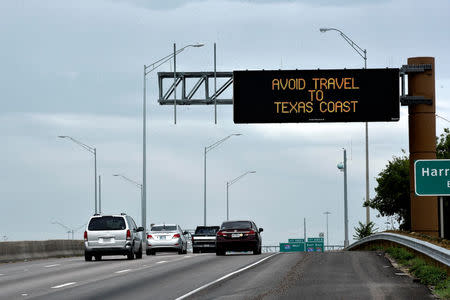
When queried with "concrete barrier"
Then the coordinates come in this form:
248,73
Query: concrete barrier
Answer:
28,250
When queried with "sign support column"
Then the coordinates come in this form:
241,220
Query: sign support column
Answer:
422,144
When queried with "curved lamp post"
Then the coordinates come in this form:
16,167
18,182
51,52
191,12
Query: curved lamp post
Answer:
363,53
147,70
207,149
229,183
131,181
93,150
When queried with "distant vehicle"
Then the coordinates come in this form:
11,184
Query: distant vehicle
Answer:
204,239
112,235
238,236
166,237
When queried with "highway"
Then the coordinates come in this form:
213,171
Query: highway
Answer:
329,275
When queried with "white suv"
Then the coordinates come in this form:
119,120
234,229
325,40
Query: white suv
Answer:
112,235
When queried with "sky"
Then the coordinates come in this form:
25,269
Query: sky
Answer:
75,68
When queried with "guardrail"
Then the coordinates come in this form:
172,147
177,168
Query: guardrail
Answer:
427,249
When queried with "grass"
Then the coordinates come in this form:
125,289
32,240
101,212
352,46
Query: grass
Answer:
443,289
427,274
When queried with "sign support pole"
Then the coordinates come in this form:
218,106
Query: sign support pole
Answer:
441,215
422,144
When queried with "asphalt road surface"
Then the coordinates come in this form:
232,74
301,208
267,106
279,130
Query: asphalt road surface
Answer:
332,275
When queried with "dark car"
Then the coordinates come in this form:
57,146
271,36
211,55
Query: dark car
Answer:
204,239
238,236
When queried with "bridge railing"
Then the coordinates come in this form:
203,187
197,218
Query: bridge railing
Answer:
434,252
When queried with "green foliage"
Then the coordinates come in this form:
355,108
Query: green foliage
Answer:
443,289
400,254
416,263
392,192
392,198
427,274
443,145
364,230
430,275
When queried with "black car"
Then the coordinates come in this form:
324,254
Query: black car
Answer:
204,239
238,236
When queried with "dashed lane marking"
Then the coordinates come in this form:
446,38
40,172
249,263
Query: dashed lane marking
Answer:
162,261
122,271
63,285
51,266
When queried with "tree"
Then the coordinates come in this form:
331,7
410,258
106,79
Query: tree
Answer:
364,230
443,145
392,192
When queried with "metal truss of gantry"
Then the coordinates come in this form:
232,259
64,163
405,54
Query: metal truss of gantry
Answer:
191,82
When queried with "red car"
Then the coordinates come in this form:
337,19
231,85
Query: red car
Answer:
238,236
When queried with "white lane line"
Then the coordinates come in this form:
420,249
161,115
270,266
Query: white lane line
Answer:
24,295
223,278
62,285
51,266
162,261
2,274
122,271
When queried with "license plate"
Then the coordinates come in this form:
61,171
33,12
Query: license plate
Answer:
162,237
105,240
236,235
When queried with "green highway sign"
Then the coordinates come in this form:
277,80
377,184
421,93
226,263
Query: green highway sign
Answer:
319,239
432,177
292,247
314,246
296,240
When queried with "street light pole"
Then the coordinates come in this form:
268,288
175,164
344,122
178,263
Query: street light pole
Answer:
363,54
99,194
140,186
327,213
93,150
343,167
229,183
346,243
207,149
147,70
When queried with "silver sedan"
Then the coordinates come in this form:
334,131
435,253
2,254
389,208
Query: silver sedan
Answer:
166,237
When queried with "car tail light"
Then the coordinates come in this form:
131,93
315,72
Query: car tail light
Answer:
85,235
128,234
149,236
176,235
251,232
220,233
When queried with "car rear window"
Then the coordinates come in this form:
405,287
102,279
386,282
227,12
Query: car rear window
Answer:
107,223
164,228
236,225
207,230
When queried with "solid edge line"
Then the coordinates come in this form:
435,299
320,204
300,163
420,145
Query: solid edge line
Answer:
62,285
223,277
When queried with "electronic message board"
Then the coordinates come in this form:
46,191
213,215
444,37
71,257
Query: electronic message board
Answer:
296,96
